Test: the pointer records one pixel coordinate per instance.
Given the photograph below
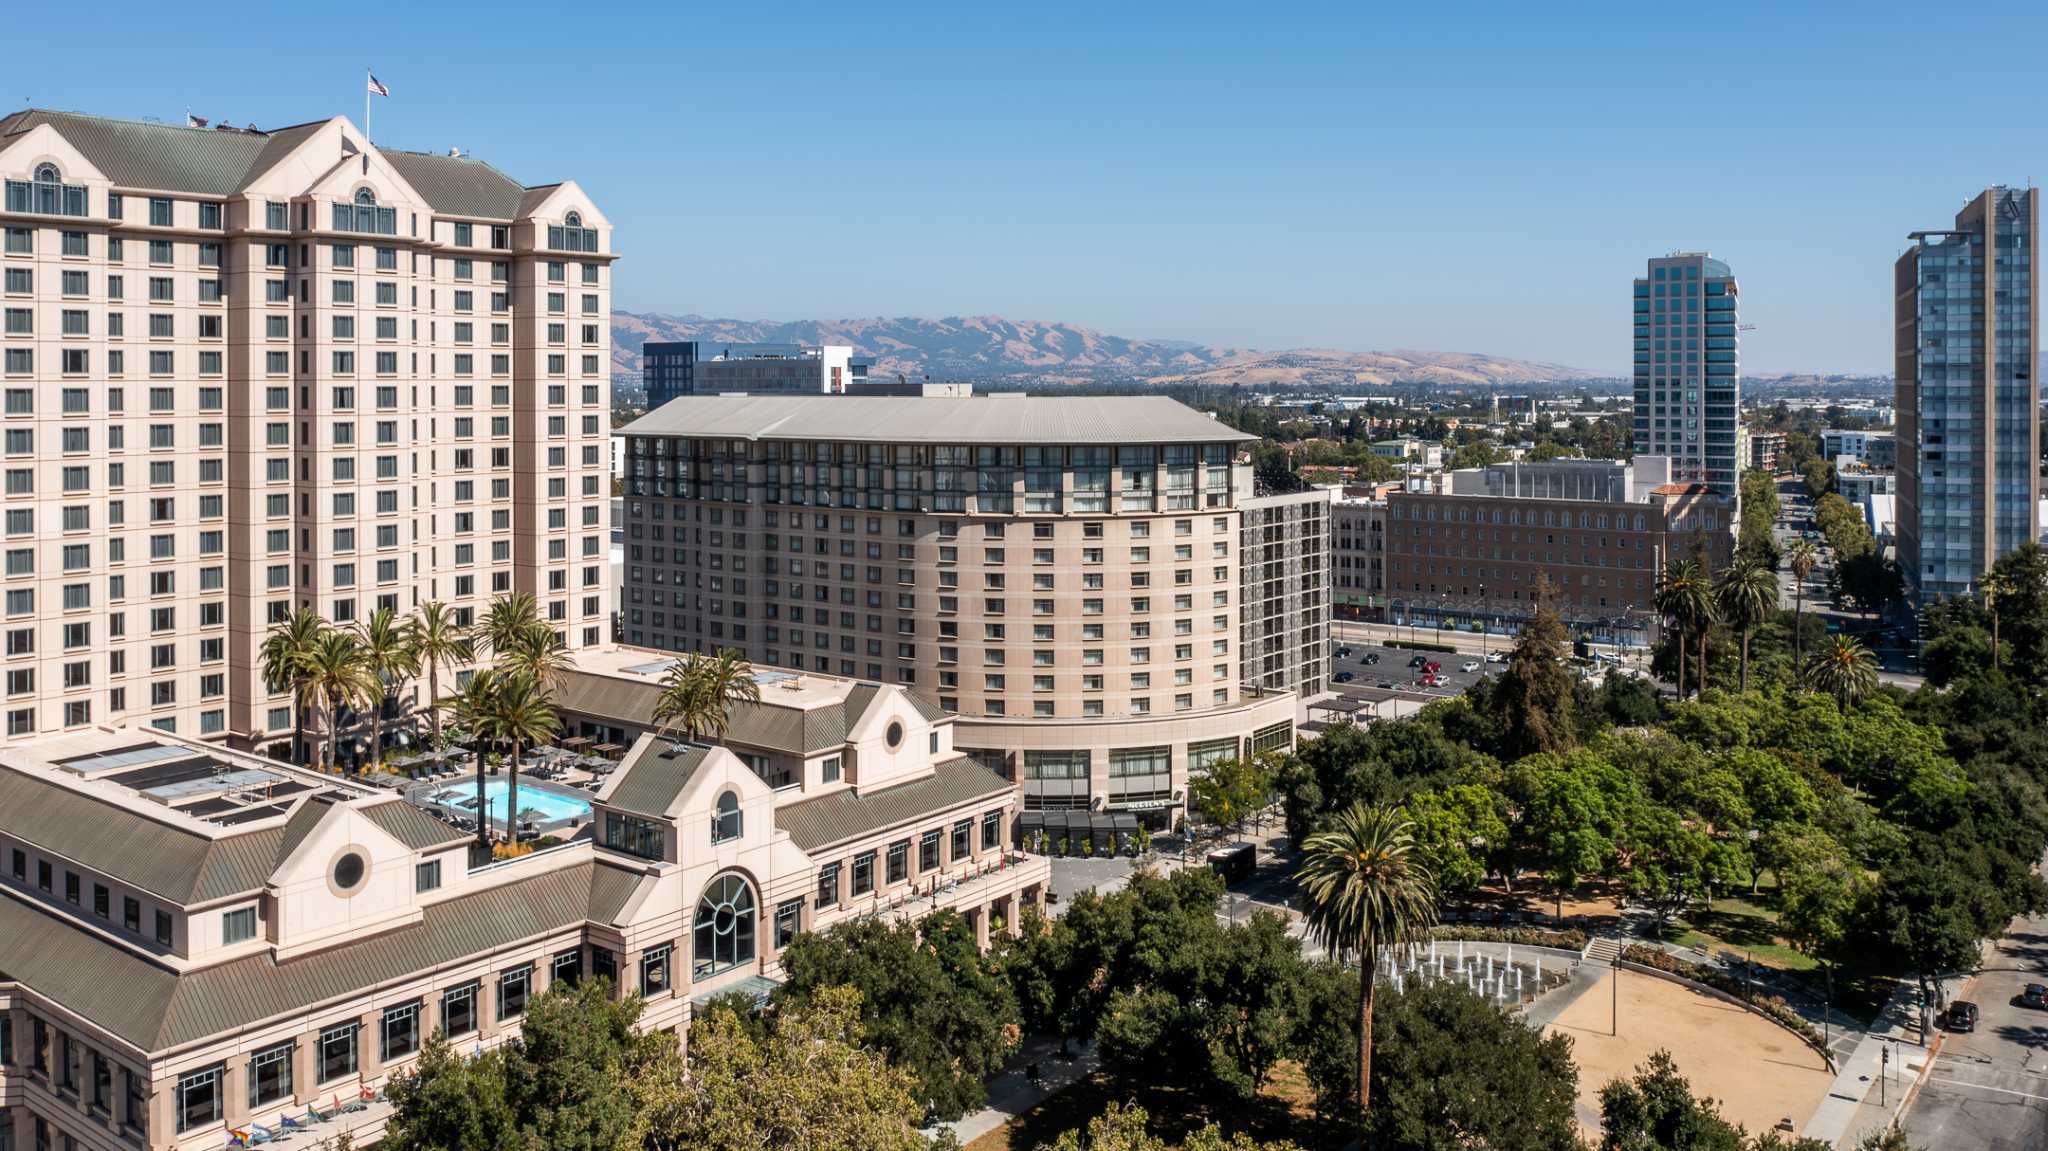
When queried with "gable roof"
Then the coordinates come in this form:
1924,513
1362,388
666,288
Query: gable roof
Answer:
140,154
414,828
652,780
154,1008
175,864
796,731
221,162
458,185
848,814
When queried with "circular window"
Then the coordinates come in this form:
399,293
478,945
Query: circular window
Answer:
348,871
894,735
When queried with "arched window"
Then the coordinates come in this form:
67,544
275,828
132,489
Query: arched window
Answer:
726,823
48,174
724,927
45,191
366,197
573,219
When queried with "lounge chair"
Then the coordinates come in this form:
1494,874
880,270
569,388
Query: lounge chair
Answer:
349,1107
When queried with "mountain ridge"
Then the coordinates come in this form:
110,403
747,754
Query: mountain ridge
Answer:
989,348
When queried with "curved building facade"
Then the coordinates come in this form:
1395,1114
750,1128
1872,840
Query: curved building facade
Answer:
1062,573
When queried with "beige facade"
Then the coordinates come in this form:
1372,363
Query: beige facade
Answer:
1358,553
1284,561
194,941
247,372
1053,570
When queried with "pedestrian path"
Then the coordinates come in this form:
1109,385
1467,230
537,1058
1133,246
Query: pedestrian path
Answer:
1013,1092
1891,1049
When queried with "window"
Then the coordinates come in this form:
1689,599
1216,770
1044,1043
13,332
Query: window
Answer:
270,1072
401,1031
566,970
641,837
238,925
726,823
899,861
828,885
789,918
654,970
199,1099
992,831
928,851
458,1010
724,927
864,873
337,1052
513,987
163,928
427,876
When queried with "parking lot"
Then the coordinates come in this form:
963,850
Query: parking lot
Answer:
1392,677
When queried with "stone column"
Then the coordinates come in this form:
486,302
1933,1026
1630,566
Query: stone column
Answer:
234,1085
83,1075
370,1063
163,1108
980,915
486,1008
305,1059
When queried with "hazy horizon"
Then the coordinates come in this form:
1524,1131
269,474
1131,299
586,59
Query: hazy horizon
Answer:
1466,178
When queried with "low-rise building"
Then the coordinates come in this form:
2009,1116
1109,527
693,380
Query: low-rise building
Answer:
1857,445
1765,449
1598,531
1424,452
1358,548
195,942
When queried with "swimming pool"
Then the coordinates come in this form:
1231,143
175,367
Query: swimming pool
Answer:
552,807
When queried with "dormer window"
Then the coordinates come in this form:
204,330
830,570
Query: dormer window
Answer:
725,824
571,236
46,192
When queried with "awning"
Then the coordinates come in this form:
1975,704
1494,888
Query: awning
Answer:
757,986
577,741
608,749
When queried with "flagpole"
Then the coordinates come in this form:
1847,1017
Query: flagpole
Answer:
366,104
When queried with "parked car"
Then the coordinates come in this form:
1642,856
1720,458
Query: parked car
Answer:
1961,1016
1418,661
1432,667
2035,996
1343,652
1345,677
1469,666
1496,657
1371,657
1386,685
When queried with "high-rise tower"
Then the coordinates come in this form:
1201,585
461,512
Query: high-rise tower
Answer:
1969,418
1688,381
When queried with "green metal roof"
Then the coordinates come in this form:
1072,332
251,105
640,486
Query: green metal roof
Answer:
458,185
411,826
156,1009
845,815
797,731
178,865
140,154
652,780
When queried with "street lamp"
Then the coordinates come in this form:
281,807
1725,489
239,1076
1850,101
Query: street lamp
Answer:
1485,624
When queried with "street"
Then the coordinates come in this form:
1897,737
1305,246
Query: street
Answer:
1988,1089
1895,658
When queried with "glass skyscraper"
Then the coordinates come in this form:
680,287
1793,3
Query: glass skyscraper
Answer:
1688,379
1969,417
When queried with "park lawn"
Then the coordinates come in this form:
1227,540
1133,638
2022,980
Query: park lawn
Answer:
1739,924
1283,1110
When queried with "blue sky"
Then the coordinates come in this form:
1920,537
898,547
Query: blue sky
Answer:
1482,178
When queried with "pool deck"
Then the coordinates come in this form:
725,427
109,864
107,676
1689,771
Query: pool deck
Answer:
422,795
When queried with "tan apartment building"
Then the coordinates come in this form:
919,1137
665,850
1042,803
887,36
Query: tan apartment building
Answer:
1284,563
1598,531
196,942
1063,573
1358,554
246,372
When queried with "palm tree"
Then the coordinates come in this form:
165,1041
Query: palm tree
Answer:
391,658
1746,594
1685,597
1802,559
538,654
439,640
1368,888
284,654
508,618
1844,669
511,710
341,677
698,693
475,704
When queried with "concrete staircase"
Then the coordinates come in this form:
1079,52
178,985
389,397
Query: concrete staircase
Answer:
1603,950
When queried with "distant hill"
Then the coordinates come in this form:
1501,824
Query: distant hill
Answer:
994,349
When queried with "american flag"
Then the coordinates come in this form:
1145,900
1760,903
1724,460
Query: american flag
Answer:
377,86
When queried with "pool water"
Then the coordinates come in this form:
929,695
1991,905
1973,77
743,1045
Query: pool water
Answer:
550,806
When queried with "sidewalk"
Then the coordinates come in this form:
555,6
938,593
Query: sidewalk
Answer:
1856,1104
1012,1093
